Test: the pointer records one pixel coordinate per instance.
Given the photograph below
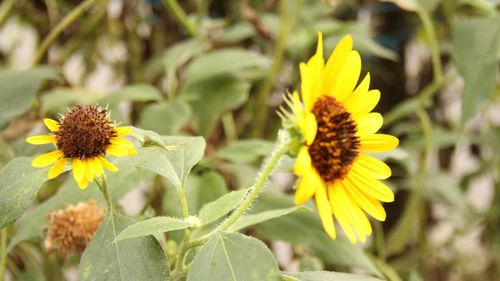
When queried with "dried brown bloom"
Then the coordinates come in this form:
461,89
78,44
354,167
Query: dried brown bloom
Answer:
71,229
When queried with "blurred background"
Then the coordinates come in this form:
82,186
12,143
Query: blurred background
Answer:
218,69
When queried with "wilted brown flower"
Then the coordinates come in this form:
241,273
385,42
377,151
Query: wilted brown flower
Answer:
71,229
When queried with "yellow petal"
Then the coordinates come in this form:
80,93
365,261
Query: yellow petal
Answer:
123,131
116,150
369,124
45,139
339,211
303,162
122,142
365,202
78,170
363,87
354,214
325,212
371,166
371,186
82,184
108,165
335,63
131,151
97,166
51,124
57,169
89,173
46,159
307,187
378,143
362,103
312,127
348,77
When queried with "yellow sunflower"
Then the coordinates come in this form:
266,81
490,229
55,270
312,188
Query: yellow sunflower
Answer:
82,136
335,119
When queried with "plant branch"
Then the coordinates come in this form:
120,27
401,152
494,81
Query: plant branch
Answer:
60,27
180,16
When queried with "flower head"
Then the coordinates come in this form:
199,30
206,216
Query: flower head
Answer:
82,136
335,120
71,229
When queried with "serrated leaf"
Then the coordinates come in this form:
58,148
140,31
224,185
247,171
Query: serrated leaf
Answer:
233,257
249,220
19,184
327,276
245,151
218,208
152,226
475,44
18,88
172,161
135,259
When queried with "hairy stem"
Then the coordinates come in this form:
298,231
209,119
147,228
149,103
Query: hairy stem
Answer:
266,170
103,186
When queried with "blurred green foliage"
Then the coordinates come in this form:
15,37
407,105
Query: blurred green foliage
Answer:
217,69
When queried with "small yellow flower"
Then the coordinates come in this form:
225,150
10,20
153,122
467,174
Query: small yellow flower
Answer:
335,119
83,136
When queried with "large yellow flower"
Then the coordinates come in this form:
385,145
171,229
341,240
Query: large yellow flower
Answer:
83,136
335,119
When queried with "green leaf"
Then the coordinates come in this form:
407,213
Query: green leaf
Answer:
327,276
165,118
152,226
135,259
18,89
249,220
476,42
19,184
58,99
304,228
245,151
210,98
119,183
203,189
135,92
218,208
132,93
232,62
174,160
233,257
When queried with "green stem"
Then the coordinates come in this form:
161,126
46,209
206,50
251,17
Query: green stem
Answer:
3,252
5,9
261,108
433,43
280,149
60,27
229,127
184,203
103,186
180,16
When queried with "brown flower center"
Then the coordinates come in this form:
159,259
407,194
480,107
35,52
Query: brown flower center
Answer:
85,132
336,144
